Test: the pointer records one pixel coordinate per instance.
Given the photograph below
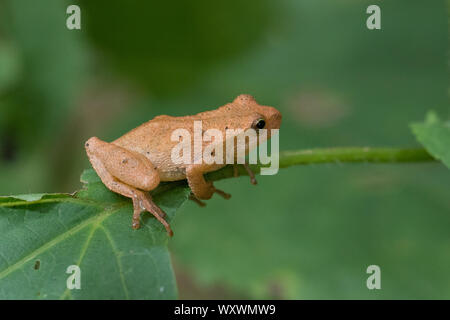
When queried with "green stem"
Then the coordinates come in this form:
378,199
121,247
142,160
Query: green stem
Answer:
334,155
313,156
359,154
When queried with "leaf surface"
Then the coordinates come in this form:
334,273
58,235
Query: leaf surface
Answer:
41,235
434,134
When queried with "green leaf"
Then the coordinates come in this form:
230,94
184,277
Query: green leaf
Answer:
434,134
41,235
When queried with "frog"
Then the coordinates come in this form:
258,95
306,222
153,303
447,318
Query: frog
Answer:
138,161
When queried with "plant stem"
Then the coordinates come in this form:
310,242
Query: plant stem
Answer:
325,155
334,155
360,154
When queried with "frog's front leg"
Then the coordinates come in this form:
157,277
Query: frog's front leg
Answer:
129,174
249,172
201,188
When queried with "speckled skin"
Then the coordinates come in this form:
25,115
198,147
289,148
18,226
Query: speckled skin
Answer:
140,159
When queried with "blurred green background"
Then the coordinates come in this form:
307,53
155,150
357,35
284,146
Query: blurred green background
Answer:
307,232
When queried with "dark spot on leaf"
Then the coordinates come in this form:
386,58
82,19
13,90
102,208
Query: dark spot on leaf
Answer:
37,265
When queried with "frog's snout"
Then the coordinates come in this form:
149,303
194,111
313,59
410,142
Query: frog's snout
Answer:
273,117
275,120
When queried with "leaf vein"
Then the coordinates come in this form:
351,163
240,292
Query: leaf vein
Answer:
55,241
119,263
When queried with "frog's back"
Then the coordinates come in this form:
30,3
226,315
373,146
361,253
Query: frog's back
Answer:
153,140
156,133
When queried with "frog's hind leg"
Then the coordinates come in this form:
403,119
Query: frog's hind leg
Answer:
143,201
125,173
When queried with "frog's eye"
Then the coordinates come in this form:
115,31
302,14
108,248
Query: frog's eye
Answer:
259,124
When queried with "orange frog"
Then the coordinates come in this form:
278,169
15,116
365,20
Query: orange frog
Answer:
136,162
